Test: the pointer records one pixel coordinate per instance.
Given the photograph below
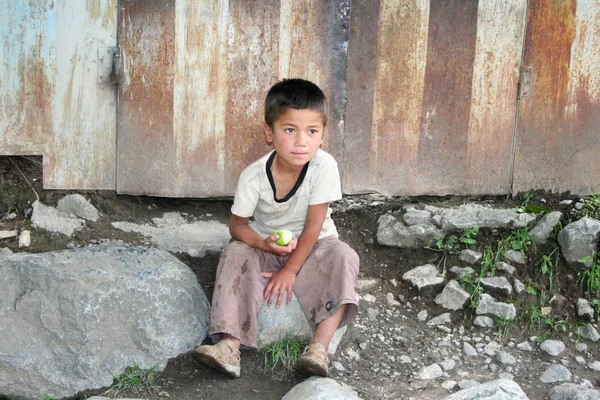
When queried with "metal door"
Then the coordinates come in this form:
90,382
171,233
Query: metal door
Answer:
558,139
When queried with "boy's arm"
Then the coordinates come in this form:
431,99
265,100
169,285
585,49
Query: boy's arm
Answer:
240,230
283,280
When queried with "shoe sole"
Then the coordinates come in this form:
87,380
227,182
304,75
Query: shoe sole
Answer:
211,362
310,367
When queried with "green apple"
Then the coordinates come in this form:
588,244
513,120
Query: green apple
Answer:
285,236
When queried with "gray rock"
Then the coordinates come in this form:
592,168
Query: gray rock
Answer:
545,227
469,215
366,284
424,277
579,240
490,306
467,383
422,315
274,323
499,389
581,347
459,272
391,232
571,391
440,320
556,373
505,358
70,318
469,350
5,252
430,372
53,220
453,297
588,332
505,267
594,365
317,388
585,309
492,348
515,257
448,364
470,256
498,285
79,206
518,286
525,346
413,216
173,233
483,322
552,347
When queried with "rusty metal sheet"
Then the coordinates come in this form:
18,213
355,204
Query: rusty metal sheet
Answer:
440,96
27,68
83,152
50,100
195,77
558,138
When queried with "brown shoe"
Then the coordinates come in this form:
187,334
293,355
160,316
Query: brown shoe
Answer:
223,357
314,360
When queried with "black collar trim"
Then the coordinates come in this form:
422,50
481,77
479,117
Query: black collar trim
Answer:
272,182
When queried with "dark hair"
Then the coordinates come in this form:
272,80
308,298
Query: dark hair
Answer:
294,93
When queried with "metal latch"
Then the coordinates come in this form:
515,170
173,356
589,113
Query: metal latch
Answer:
109,65
525,81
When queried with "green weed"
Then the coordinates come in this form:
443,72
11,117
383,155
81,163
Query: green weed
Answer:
548,264
452,244
519,241
588,279
286,351
135,379
596,305
502,325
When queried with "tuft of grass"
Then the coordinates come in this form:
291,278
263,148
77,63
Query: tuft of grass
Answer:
286,351
452,244
502,325
135,379
588,279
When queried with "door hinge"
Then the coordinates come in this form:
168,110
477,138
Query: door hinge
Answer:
525,81
109,65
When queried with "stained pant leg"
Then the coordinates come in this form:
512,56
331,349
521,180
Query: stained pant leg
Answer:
238,292
326,281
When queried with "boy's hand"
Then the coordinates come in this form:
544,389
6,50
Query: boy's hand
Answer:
281,281
280,250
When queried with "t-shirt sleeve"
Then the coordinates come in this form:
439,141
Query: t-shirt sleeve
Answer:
326,186
246,195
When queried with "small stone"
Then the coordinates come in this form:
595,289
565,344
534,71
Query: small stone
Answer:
483,322
581,347
588,332
585,309
506,375
391,300
363,345
518,286
432,371
515,257
449,385
338,366
440,320
491,348
369,298
470,256
505,267
552,347
556,373
394,282
366,284
525,346
580,360
469,350
467,383
164,394
25,238
422,315
504,358
404,360
594,365
448,364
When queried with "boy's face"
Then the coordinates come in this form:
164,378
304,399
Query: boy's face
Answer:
296,136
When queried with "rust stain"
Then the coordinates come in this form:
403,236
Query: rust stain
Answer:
442,150
252,68
145,141
247,325
493,104
543,124
236,285
399,91
362,67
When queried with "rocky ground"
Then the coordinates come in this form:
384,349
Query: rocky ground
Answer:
392,350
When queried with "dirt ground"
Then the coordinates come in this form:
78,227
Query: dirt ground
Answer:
373,352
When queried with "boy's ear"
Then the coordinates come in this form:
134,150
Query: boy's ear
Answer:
268,134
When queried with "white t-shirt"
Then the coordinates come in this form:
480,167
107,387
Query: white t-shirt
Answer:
319,183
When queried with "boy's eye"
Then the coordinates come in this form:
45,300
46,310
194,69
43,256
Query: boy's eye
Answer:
313,131
289,130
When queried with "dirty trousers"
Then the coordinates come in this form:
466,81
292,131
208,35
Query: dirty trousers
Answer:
325,282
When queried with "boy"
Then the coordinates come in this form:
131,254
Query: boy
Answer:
289,188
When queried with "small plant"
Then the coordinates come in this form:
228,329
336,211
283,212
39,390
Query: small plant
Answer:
547,265
286,351
519,241
452,244
43,398
525,199
502,324
473,287
133,378
534,317
589,278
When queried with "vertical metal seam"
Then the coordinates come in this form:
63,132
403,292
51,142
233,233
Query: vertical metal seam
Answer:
513,152
117,95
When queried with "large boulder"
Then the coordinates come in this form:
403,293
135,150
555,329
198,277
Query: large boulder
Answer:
317,388
579,239
499,389
68,319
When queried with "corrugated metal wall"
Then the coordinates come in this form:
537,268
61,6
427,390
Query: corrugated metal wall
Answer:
51,103
423,94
